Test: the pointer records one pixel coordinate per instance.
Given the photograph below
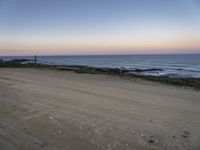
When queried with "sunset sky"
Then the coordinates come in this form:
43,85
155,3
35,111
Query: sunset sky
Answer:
77,27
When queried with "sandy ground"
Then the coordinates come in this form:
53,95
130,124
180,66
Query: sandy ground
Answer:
55,110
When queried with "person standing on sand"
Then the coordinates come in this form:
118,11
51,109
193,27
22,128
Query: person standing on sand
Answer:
35,60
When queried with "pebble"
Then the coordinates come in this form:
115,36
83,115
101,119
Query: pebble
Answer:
59,132
50,117
185,134
44,144
151,141
142,135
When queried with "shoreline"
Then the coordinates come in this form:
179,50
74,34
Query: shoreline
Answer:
24,63
174,66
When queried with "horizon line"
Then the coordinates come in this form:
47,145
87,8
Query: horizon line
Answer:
101,54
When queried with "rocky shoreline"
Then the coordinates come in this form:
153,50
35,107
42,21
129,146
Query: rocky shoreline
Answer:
123,72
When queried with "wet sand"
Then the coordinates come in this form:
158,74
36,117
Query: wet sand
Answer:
58,110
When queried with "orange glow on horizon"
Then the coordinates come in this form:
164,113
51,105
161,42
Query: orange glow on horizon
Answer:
99,45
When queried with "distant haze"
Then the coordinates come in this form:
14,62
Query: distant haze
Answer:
77,27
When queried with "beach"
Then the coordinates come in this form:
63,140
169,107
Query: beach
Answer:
63,110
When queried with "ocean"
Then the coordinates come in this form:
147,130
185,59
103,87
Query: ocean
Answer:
176,65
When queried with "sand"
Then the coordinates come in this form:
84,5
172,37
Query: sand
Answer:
58,110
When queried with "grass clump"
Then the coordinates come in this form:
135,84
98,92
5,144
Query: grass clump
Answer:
191,82
94,70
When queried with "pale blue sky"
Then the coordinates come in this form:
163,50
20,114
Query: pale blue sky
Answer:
99,26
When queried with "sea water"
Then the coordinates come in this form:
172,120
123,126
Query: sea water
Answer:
176,65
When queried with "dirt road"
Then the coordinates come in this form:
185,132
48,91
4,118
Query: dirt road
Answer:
55,110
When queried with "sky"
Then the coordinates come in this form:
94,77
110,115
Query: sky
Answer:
79,27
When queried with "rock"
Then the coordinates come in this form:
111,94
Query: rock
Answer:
148,70
92,125
151,141
185,134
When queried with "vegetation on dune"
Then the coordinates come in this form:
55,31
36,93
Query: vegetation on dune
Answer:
93,70
191,82
16,65
23,64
